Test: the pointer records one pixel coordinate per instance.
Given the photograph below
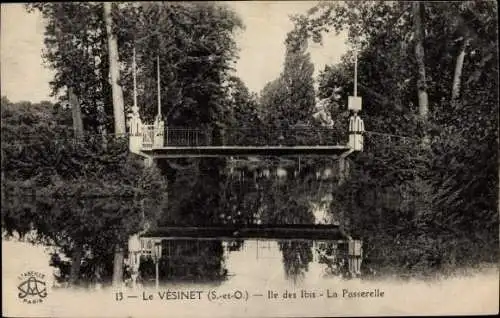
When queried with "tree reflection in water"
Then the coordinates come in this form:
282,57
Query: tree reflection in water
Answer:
296,258
195,195
245,196
329,253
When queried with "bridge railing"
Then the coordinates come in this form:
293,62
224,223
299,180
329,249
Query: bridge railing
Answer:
380,141
187,137
308,136
313,136
148,133
195,137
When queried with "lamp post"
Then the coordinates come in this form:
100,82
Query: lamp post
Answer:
134,248
156,258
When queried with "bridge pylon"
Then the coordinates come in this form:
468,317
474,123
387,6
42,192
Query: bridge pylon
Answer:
159,132
356,124
135,130
354,104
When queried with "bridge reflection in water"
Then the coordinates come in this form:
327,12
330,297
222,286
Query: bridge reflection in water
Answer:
216,254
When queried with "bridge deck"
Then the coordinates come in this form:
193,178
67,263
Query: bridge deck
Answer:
221,151
270,232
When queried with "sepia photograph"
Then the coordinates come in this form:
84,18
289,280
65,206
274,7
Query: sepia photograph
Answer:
249,158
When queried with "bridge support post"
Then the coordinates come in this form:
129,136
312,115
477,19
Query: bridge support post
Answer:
159,132
355,257
135,130
356,124
134,258
149,162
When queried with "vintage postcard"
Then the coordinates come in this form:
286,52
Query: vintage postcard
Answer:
249,159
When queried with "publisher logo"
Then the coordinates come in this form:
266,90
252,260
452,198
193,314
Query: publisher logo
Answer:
32,289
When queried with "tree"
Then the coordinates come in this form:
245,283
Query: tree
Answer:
423,103
196,48
118,116
290,99
74,192
81,34
244,121
76,50
391,59
194,61
114,72
244,107
297,74
76,112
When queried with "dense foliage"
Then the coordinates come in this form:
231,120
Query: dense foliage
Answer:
76,50
417,205
438,203
195,50
73,192
289,100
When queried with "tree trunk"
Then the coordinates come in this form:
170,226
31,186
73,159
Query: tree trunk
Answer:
455,92
423,103
114,73
118,266
76,113
76,260
343,170
76,257
119,117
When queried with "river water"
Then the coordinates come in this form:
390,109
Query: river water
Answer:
254,277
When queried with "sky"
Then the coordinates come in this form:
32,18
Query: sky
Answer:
261,43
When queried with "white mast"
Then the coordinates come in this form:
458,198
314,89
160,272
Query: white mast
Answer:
159,85
134,66
355,72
